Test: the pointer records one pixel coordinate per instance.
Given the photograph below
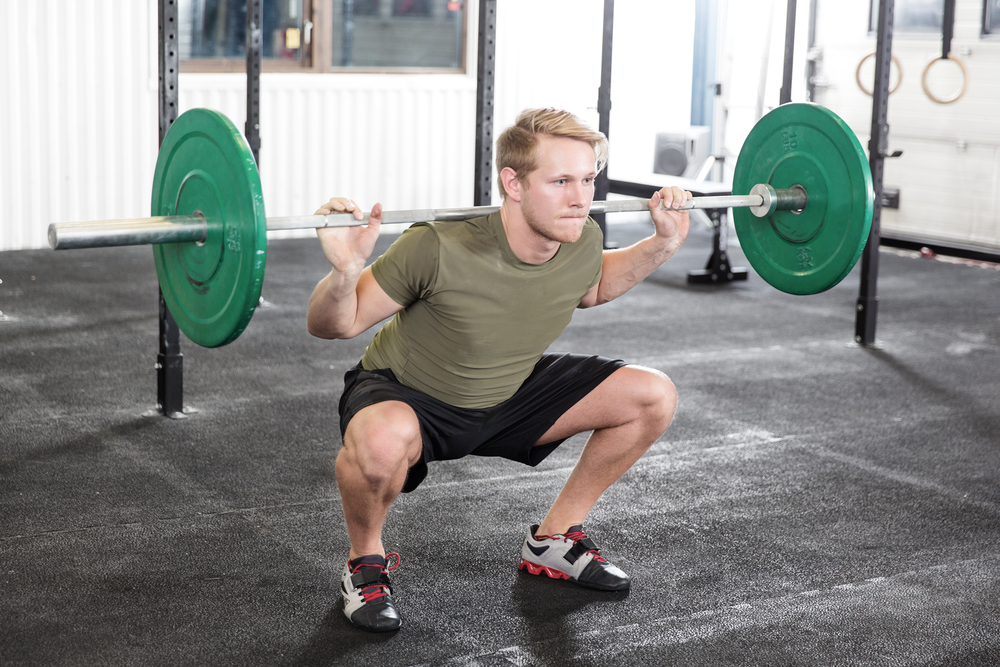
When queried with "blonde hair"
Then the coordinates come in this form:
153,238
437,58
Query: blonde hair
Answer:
516,145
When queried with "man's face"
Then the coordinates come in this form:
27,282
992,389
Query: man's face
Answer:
556,198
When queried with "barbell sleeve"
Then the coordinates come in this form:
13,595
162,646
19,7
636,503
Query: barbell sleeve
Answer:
137,231
762,200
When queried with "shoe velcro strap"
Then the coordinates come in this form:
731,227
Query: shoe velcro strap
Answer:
366,576
383,582
580,548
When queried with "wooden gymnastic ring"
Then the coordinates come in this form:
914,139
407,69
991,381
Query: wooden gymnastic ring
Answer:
857,74
957,96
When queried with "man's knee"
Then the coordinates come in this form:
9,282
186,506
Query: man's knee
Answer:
380,440
656,395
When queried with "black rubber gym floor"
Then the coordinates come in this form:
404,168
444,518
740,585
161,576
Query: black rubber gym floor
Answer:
814,502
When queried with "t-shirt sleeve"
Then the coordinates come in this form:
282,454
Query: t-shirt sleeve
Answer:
407,271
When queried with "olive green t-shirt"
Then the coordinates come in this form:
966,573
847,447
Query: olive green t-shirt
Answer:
476,319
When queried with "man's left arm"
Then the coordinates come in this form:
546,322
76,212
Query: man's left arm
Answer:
623,269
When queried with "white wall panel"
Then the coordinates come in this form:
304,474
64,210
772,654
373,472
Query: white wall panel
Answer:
79,124
549,54
752,35
948,173
78,120
77,117
402,140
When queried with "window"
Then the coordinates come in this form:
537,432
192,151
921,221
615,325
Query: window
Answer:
325,35
912,17
370,34
216,30
991,17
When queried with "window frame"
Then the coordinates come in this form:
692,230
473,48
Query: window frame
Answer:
984,30
317,54
873,7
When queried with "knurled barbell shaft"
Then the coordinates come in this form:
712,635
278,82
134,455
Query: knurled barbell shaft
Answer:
194,228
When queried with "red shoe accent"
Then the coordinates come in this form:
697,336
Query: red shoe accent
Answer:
534,568
388,557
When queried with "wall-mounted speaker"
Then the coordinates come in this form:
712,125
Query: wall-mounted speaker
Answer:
682,153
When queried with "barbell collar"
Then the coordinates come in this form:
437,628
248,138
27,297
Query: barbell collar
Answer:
769,200
790,199
194,228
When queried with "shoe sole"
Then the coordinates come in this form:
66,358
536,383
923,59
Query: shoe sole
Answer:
536,569
367,629
541,570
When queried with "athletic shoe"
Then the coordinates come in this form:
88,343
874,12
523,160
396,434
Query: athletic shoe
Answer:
367,593
572,556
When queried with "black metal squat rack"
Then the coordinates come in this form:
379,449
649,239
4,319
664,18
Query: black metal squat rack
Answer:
718,270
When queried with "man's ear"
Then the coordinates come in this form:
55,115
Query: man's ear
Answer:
510,183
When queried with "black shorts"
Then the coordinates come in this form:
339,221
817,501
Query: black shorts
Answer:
507,430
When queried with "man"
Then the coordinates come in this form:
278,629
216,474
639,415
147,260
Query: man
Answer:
460,368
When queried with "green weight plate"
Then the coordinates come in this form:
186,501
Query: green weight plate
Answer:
812,250
205,167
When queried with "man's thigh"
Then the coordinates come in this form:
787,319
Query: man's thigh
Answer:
622,397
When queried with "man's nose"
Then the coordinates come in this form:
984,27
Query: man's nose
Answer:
579,193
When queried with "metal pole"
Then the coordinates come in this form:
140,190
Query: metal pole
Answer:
812,55
482,193
254,37
948,28
786,78
169,360
601,184
867,306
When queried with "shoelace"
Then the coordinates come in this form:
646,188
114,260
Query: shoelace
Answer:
375,591
578,535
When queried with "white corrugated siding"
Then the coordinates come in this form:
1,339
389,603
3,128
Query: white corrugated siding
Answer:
79,124
77,119
407,141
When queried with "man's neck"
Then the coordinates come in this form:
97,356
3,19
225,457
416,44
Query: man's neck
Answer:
528,245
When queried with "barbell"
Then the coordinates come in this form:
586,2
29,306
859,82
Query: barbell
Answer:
802,223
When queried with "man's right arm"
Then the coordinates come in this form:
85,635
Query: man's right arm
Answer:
338,311
348,301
